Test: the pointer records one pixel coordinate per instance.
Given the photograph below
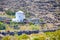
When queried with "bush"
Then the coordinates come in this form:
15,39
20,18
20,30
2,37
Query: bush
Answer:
2,26
36,38
9,12
7,38
43,36
54,35
30,23
41,20
34,27
24,36
16,26
27,14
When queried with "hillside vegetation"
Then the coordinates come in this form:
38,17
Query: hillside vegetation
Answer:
41,36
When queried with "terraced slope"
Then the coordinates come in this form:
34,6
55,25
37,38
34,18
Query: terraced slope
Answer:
49,10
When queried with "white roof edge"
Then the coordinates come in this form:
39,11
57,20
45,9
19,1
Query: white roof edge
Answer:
20,12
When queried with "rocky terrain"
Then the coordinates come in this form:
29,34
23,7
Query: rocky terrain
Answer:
49,10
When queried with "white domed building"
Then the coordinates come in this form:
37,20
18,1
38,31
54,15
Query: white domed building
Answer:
19,16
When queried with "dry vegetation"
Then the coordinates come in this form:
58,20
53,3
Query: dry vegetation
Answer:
41,36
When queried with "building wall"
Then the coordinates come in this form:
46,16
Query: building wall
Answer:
19,16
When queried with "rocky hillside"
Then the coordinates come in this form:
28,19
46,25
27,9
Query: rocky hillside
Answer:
49,10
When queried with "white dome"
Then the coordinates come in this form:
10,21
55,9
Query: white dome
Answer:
20,12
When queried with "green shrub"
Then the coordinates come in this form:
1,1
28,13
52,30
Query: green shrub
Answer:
34,27
9,12
36,38
27,14
54,35
7,38
30,23
50,35
2,26
41,20
23,36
